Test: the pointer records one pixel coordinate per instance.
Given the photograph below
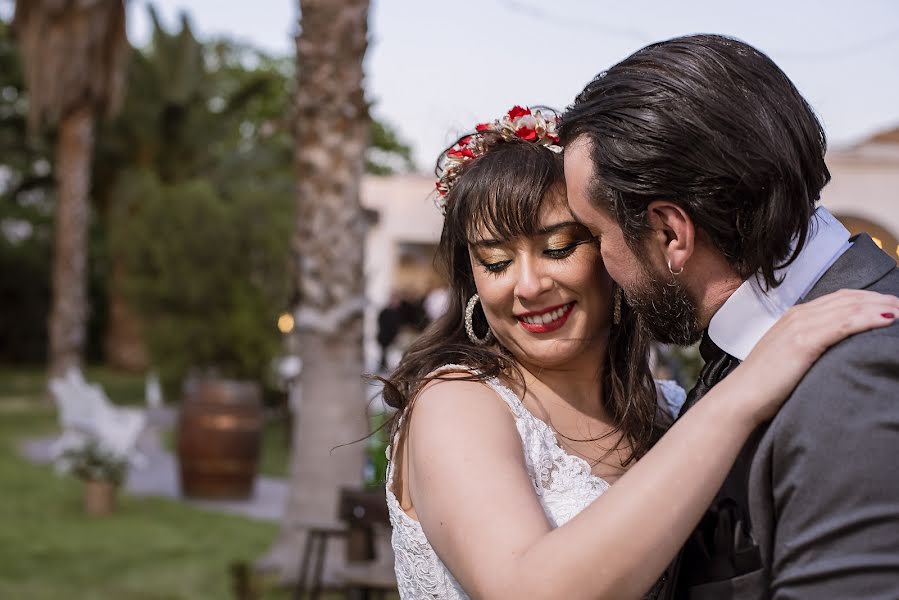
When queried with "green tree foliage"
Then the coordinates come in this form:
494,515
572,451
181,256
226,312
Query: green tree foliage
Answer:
201,152
26,219
208,272
198,202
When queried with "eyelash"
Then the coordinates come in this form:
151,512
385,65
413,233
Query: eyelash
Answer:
564,252
554,253
495,268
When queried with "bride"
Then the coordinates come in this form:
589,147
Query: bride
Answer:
533,455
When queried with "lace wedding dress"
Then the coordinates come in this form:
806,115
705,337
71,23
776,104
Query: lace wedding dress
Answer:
564,484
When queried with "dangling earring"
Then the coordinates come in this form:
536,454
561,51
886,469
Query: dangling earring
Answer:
616,311
469,325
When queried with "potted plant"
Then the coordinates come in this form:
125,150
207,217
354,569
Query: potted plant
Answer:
102,471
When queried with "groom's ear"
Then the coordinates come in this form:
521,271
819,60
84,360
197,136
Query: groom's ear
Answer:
672,233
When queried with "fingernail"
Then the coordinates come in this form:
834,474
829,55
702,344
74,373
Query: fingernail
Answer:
888,315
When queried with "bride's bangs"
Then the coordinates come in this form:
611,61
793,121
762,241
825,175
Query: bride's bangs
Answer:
501,193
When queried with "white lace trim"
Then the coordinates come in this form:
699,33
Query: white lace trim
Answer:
563,483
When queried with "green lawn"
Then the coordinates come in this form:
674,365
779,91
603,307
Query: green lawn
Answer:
31,382
150,549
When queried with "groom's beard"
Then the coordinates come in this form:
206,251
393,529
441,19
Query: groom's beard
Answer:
666,310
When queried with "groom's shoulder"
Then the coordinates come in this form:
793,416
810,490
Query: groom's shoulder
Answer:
855,378
853,357
875,345
888,284
847,404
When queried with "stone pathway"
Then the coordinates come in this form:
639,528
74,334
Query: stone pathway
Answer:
159,477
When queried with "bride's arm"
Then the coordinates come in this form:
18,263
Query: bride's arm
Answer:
478,508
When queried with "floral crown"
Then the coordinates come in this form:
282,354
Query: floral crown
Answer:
520,123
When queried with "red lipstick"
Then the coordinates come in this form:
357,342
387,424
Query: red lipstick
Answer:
539,322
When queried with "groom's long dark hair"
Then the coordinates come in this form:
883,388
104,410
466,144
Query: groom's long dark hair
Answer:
712,124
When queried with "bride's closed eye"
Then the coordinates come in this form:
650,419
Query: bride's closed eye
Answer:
495,268
494,261
563,245
566,250
558,251
558,245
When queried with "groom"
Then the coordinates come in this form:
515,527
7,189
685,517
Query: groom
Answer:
699,165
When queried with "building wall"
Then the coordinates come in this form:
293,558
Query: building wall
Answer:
864,190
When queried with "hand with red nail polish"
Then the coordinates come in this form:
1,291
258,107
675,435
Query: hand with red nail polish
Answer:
803,334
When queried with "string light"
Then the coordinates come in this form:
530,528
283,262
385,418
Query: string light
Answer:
877,241
285,323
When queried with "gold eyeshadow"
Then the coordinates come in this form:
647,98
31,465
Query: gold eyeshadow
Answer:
492,255
565,238
559,238
561,241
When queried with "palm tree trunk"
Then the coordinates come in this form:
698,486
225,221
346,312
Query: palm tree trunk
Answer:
68,316
331,135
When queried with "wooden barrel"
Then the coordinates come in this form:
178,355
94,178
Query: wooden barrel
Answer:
219,437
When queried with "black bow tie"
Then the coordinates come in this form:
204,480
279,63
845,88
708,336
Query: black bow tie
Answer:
718,365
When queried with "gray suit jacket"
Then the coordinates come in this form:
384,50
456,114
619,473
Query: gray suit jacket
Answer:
821,480
824,481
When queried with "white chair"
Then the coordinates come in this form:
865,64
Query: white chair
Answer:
85,413
76,413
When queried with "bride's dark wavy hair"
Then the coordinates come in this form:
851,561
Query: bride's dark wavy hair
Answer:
501,192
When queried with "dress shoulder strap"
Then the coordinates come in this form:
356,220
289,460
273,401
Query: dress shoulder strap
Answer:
501,390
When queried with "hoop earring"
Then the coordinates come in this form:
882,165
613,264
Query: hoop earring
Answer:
672,271
469,325
616,310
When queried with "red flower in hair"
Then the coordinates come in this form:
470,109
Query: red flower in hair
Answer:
526,133
463,152
518,111
482,127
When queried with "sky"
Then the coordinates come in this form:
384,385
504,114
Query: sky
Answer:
434,69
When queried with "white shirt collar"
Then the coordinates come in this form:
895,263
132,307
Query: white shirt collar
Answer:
751,311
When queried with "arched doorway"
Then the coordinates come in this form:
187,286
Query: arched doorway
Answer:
880,234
